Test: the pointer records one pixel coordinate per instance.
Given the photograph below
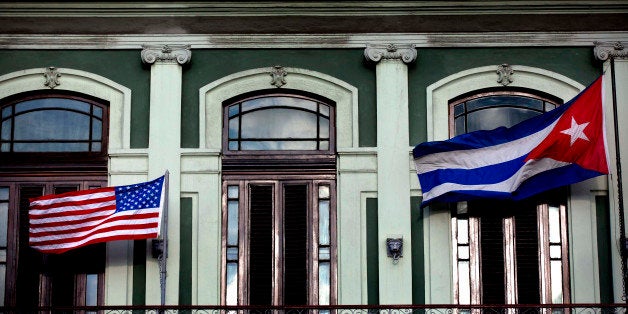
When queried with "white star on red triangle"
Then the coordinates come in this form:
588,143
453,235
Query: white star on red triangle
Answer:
576,131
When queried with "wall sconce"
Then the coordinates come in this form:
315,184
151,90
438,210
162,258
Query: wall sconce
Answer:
394,247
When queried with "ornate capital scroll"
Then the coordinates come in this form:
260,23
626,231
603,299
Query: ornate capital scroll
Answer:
278,76
604,50
405,53
52,75
180,54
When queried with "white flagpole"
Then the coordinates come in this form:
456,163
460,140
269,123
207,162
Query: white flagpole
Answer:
164,254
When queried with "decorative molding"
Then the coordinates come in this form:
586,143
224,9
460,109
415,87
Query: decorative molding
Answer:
504,74
605,50
52,75
338,40
405,53
278,75
180,54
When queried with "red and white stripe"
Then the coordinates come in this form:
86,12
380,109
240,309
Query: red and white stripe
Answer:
70,220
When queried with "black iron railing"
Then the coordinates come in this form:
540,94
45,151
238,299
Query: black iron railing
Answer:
339,309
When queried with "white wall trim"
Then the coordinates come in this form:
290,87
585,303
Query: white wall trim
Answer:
213,95
118,96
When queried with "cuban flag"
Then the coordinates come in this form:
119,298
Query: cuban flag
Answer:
560,147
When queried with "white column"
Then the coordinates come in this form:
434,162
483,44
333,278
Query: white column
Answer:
164,143
608,52
393,183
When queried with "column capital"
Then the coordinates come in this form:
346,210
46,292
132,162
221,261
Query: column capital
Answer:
180,54
405,53
605,50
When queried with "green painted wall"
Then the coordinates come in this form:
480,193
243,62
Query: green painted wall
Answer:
121,66
604,248
418,243
345,64
434,64
372,259
185,253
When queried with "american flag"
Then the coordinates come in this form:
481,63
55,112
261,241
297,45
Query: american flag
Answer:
70,220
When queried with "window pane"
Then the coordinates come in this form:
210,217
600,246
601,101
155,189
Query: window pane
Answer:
324,254
51,125
554,224
63,103
324,128
232,254
278,101
96,147
232,284
488,119
323,222
504,100
97,111
233,145
6,129
278,123
557,281
458,109
459,125
5,147
4,212
278,145
323,191
96,129
234,110
233,128
323,283
555,251
324,145
6,111
4,194
464,283
233,191
3,276
549,106
50,147
232,223
463,231
91,291
324,110
463,252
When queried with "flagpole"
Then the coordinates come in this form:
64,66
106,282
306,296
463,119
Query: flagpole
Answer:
164,254
620,190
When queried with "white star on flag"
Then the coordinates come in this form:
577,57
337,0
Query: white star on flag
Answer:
576,131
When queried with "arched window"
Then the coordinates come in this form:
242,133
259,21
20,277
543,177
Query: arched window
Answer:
508,252
279,200
50,143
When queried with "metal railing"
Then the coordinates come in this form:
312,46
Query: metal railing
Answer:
339,309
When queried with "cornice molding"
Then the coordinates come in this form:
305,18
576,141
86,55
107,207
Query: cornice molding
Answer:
605,50
306,8
376,53
180,54
213,41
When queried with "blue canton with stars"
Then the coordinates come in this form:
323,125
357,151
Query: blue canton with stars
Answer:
139,196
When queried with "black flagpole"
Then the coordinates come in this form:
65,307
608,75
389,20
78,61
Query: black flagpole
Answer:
164,254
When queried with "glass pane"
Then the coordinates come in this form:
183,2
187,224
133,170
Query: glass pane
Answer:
96,147
233,145
549,106
4,194
557,281
4,214
488,119
232,223
50,147
3,276
323,128
278,101
324,145
278,145
323,222
63,103
554,224
323,191
96,129
505,100
232,284
324,109
233,191
232,254
91,290
278,124
459,125
324,283
464,285
555,251
324,254
6,111
51,125
233,128
458,109
234,110
97,111
5,147
463,252
463,231
6,129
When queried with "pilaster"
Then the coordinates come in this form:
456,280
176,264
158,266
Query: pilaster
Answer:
615,58
164,144
393,183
